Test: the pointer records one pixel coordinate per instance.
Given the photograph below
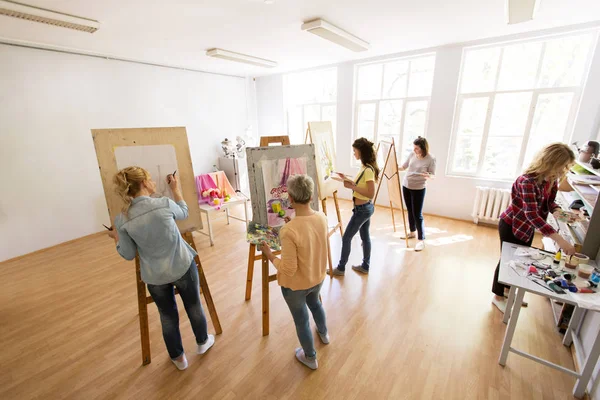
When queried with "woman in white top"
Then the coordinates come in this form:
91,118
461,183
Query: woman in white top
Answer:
419,167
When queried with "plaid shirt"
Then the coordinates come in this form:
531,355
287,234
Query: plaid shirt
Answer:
530,204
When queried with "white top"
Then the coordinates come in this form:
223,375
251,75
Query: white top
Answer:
416,171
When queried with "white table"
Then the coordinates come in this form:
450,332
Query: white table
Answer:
211,211
519,285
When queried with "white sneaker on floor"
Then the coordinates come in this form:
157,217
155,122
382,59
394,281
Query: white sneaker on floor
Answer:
409,236
300,356
324,338
420,245
500,304
181,365
203,348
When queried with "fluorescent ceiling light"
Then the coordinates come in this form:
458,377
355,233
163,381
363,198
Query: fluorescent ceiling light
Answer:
335,35
45,16
242,58
518,11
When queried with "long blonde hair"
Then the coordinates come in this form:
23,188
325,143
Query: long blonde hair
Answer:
551,162
129,183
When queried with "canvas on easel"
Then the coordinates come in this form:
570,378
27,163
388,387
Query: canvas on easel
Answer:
268,168
391,174
321,135
161,151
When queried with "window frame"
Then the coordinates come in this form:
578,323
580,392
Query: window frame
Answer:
405,100
535,94
302,105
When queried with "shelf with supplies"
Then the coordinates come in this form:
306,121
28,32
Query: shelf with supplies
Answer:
585,234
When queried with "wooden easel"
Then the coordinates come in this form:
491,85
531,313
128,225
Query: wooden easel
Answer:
392,175
339,225
265,141
144,300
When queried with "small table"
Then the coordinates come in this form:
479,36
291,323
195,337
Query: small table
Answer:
519,285
209,211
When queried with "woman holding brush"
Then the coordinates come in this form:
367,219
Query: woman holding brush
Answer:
147,227
532,199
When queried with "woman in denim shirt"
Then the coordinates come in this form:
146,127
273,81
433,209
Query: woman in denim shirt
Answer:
147,227
363,191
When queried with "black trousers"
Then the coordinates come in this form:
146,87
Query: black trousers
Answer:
506,235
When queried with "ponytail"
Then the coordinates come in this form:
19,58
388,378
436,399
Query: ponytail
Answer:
129,183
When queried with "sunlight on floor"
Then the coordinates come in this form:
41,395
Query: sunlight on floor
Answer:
449,240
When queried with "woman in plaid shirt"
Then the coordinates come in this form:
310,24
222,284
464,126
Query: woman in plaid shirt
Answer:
532,199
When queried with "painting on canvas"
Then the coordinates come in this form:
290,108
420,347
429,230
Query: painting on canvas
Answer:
159,161
321,135
275,176
269,168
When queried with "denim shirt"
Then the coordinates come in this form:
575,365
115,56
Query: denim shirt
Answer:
150,230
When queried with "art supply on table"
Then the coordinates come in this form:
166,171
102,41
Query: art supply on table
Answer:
585,271
595,278
557,257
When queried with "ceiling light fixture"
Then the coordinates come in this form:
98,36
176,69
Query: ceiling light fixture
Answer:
518,11
336,35
45,16
242,58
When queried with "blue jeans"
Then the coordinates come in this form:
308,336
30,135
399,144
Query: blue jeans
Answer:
360,222
164,297
414,200
297,300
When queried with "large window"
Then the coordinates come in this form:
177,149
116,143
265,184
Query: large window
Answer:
392,100
310,96
514,99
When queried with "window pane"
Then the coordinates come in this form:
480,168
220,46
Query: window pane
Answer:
415,119
479,70
395,79
564,61
421,76
519,66
390,117
295,125
466,155
549,122
366,121
501,157
312,113
509,115
329,113
473,113
369,82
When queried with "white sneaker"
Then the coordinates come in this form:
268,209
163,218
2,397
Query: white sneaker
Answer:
420,245
324,338
203,348
181,365
500,304
409,236
300,356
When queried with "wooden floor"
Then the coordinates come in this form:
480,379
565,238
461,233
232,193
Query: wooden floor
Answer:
420,326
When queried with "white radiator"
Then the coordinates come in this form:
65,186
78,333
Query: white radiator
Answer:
489,204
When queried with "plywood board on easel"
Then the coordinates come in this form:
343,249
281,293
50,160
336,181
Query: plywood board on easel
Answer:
321,135
153,148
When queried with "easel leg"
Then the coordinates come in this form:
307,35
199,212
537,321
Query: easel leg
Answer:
143,314
210,231
329,260
250,275
337,210
204,288
403,213
227,213
265,295
393,218
324,206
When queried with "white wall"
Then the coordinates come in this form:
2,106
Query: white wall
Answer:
447,196
51,188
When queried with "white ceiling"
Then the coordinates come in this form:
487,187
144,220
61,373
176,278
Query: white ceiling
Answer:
178,32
